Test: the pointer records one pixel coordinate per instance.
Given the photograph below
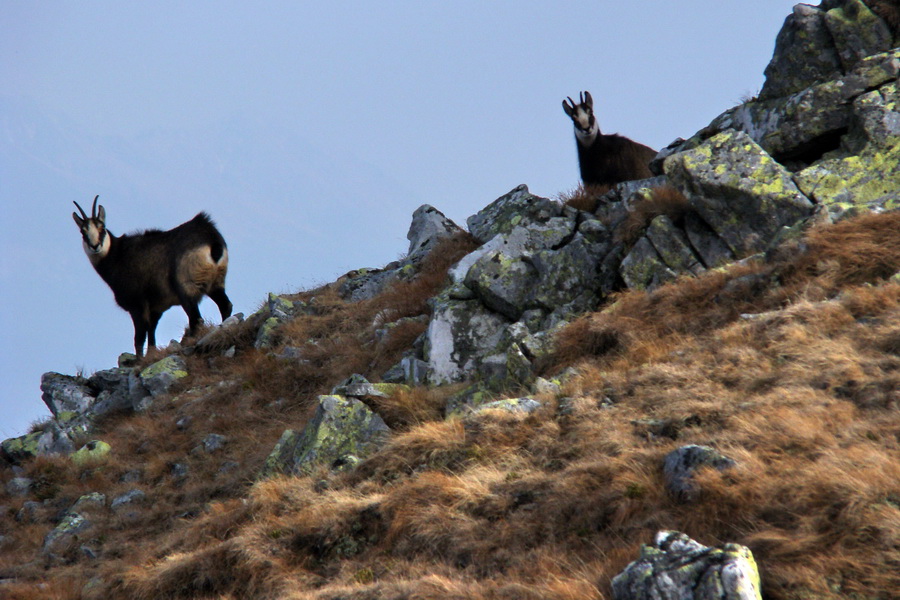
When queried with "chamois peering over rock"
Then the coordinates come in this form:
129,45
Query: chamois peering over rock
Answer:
605,159
151,271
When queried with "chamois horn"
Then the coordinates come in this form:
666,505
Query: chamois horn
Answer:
93,208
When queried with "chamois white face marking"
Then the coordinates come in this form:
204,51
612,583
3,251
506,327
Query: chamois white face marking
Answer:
586,128
94,240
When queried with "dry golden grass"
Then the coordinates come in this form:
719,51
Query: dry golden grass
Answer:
804,395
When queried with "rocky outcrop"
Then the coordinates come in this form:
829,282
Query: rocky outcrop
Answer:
341,433
828,109
429,226
536,268
77,402
676,566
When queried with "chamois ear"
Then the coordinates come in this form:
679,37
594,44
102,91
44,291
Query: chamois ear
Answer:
569,109
80,221
588,100
101,214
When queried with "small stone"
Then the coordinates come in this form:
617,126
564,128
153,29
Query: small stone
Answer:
19,486
214,442
681,464
514,405
160,376
129,498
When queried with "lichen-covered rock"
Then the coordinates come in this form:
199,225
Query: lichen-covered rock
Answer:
804,54
507,369
643,267
676,567
342,431
280,307
570,276
712,250
681,464
68,533
357,386
869,180
664,252
273,313
738,190
878,115
516,209
460,335
673,246
502,283
812,120
540,263
855,184
127,360
51,439
160,376
513,405
88,502
523,239
267,333
64,393
119,389
93,451
857,32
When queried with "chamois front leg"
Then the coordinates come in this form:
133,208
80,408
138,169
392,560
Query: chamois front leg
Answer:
152,322
140,332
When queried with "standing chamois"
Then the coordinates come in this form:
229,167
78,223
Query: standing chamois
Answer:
150,272
605,159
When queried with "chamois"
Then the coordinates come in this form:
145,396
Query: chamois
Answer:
151,271
605,159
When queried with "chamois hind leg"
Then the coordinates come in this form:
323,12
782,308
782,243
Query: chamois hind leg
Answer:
221,299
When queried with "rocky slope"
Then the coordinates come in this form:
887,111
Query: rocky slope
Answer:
301,447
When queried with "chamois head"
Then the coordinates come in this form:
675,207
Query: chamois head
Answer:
582,115
94,237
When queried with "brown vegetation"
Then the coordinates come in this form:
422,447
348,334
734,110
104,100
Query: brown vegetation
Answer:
790,366
665,200
584,197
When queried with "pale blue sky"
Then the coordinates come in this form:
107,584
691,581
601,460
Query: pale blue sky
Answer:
310,132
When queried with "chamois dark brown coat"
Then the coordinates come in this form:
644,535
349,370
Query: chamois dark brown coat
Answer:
150,272
605,159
